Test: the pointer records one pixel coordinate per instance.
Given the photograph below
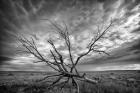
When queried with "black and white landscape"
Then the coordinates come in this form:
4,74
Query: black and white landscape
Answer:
86,46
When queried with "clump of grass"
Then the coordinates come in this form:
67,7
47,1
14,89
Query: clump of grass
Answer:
10,74
122,83
111,87
107,88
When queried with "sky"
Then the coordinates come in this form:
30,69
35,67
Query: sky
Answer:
82,17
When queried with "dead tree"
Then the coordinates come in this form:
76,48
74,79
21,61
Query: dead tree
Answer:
65,72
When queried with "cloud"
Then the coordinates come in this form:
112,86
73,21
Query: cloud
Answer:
105,67
128,53
119,67
4,58
24,67
82,18
137,30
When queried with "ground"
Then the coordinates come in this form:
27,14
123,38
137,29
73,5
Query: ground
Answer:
109,82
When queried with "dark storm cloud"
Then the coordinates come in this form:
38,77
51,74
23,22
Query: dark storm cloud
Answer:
101,1
128,53
8,26
3,59
137,30
29,67
136,46
13,15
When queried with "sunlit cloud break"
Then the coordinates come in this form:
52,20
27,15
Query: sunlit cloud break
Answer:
121,67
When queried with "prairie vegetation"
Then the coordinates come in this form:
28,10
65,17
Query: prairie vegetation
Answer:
110,82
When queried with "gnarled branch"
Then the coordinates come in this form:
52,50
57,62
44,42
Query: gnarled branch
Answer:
58,64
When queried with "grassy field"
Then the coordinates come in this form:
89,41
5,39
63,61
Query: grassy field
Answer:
110,82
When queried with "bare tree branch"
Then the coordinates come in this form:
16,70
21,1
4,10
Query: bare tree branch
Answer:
49,76
58,64
91,44
55,82
77,85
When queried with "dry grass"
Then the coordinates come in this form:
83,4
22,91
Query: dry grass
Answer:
110,82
